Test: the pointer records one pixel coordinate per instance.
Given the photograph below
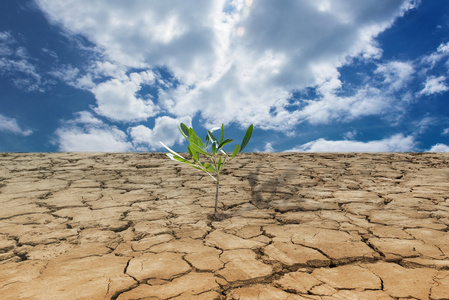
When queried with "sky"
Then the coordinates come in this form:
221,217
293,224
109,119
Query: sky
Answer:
313,76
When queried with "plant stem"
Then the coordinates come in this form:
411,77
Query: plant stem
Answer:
216,197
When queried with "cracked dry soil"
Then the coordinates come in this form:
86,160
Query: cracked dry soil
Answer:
298,226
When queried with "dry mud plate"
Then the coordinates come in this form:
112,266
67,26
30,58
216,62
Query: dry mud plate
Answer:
298,226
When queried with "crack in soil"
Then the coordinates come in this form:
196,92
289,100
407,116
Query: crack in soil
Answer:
408,189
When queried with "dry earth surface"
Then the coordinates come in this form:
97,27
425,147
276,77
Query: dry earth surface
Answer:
298,226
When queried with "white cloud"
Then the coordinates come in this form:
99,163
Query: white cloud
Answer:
22,73
443,48
433,59
12,126
434,85
268,147
118,100
145,33
6,41
424,124
367,100
86,133
15,64
445,131
109,69
50,53
396,74
92,75
230,77
439,148
396,143
85,117
350,135
267,60
386,97
66,73
165,130
92,139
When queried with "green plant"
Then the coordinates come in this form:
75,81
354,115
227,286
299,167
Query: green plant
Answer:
216,160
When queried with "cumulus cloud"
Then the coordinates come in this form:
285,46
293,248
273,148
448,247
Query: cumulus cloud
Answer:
165,130
12,126
145,33
434,85
118,99
228,63
381,95
269,147
86,133
266,59
85,117
436,82
439,148
92,139
331,107
395,143
231,63
397,74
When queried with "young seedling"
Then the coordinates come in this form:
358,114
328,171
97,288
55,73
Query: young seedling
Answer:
216,161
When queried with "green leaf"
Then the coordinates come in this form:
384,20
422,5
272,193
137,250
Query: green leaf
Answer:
214,147
247,137
192,149
212,137
194,138
185,161
184,131
222,134
219,164
171,151
236,150
195,155
227,141
207,140
209,167
178,159
197,148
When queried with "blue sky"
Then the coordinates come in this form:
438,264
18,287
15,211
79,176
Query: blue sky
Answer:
320,76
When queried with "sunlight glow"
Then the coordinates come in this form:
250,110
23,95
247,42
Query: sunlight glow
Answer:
240,31
324,6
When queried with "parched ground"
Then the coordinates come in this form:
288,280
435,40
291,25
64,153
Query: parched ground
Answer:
299,226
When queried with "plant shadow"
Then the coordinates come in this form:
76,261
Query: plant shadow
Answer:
264,192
